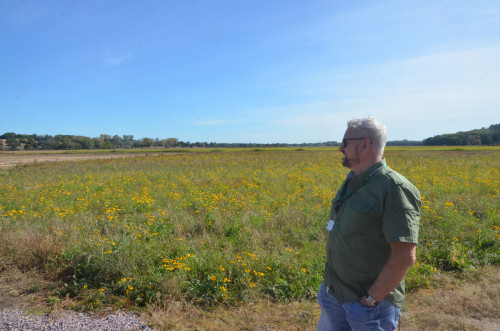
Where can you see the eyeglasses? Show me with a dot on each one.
(343, 144)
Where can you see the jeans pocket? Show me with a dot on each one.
(358, 312)
(384, 316)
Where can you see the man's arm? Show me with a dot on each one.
(403, 256)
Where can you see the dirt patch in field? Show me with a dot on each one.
(12, 159)
(21, 291)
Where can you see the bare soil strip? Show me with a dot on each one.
(12, 159)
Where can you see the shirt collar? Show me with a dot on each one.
(362, 177)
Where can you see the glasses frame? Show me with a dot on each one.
(343, 144)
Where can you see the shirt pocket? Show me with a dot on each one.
(360, 216)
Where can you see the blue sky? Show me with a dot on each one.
(248, 71)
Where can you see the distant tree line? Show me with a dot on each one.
(404, 143)
(483, 136)
(14, 141)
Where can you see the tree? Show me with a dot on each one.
(117, 141)
(106, 138)
(473, 140)
(84, 142)
(98, 143)
(489, 136)
(128, 141)
(170, 142)
(144, 142)
(147, 142)
(13, 143)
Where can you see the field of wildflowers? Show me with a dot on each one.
(227, 226)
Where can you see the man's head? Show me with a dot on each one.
(363, 143)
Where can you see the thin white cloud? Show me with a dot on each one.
(116, 60)
(469, 67)
(417, 97)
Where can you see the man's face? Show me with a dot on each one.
(350, 148)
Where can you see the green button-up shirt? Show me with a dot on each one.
(370, 211)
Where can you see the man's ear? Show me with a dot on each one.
(366, 144)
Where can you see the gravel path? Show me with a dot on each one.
(15, 320)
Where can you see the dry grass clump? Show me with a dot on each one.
(263, 315)
(470, 303)
(30, 250)
(25, 291)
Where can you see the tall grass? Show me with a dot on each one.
(227, 226)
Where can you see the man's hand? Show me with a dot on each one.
(368, 302)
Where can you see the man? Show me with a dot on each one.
(373, 233)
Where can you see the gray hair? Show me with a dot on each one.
(370, 128)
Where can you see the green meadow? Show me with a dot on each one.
(227, 226)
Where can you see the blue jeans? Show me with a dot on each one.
(355, 315)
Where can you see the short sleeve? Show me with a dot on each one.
(402, 214)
